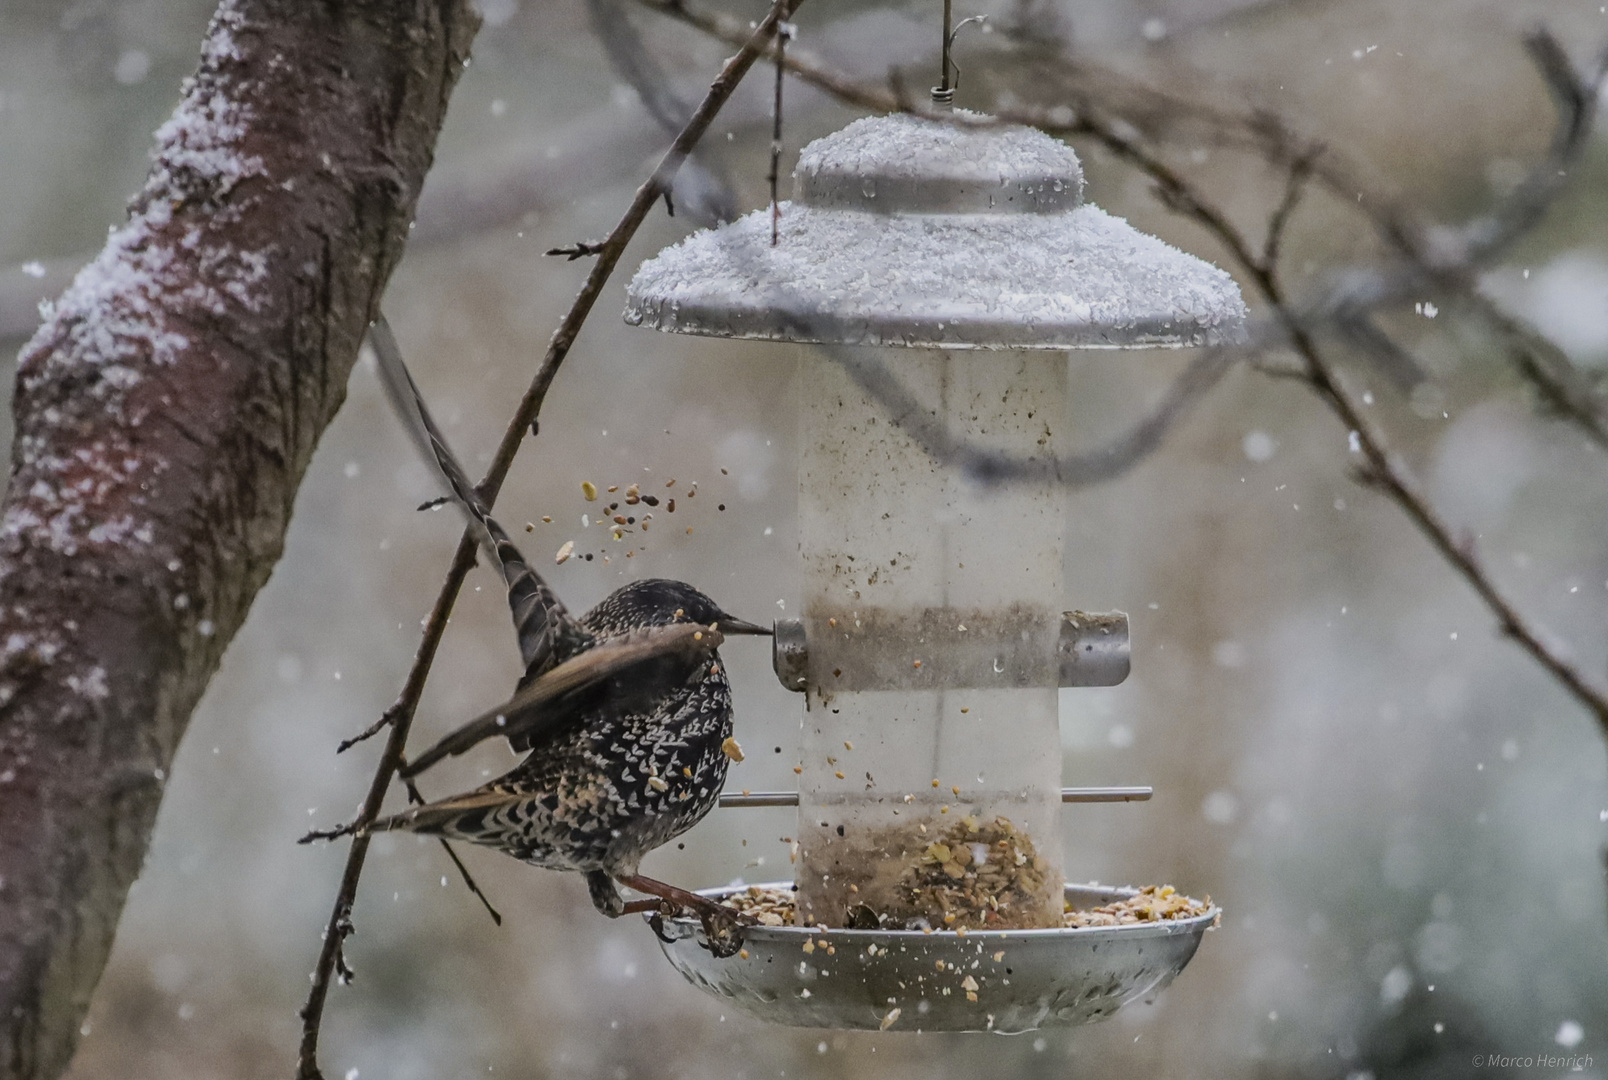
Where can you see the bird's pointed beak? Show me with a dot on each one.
(728, 625)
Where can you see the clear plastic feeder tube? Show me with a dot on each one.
(930, 784)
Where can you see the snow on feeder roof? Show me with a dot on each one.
(917, 232)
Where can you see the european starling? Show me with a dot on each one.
(625, 712)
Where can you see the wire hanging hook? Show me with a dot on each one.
(944, 92)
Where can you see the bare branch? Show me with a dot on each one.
(401, 716)
(1095, 466)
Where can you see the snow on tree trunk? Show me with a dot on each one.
(165, 414)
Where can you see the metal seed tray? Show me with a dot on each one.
(855, 979)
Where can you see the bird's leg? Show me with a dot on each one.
(605, 897)
(722, 925)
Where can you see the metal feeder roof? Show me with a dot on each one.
(916, 232)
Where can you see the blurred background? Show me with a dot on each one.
(1401, 815)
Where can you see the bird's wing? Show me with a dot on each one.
(626, 673)
(545, 627)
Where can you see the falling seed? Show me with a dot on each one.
(999, 956)
(831, 622)
(935, 783)
(742, 953)
(723, 472)
(798, 768)
(697, 635)
(968, 983)
(687, 772)
(530, 526)
(939, 964)
(689, 530)
(956, 789)
(961, 628)
(546, 520)
(839, 775)
(847, 745)
(731, 749)
(681, 613)
(889, 1020)
(618, 535)
(619, 519)
(964, 709)
(721, 507)
(670, 483)
(565, 552)
(809, 945)
(670, 507)
(651, 500)
(917, 663)
(589, 489)
(657, 784)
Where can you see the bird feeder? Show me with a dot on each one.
(958, 256)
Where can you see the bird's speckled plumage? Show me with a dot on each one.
(601, 793)
(623, 757)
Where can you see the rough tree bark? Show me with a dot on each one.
(165, 414)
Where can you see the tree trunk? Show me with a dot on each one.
(165, 414)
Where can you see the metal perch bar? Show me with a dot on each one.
(1068, 795)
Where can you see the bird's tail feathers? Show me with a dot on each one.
(445, 818)
(540, 618)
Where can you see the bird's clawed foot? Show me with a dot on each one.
(722, 926)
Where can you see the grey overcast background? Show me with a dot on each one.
(1401, 815)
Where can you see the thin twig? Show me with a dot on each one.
(1295, 181)
(782, 38)
(401, 714)
(1387, 472)
(1104, 463)
(463, 871)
